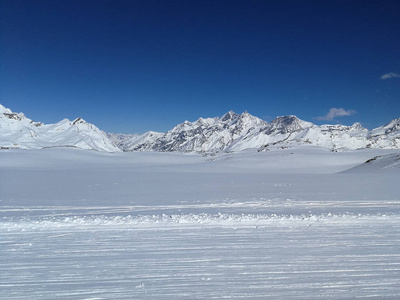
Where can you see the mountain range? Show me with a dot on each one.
(230, 133)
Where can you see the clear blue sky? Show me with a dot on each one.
(133, 66)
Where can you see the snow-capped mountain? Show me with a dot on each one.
(231, 132)
(211, 134)
(127, 142)
(236, 132)
(18, 131)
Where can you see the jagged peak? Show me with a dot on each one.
(247, 118)
(180, 126)
(286, 120)
(8, 113)
(78, 121)
(246, 114)
(394, 122)
(230, 115)
(392, 126)
(5, 110)
(357, 126)
(287, 117)
(287, 124)
(206, 121)
(14, 116)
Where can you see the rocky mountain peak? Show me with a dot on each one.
(5, 110)
(357, 126)
(287, 124)
(392, 126)
(11, 115)
(79, 121)
(229, 116)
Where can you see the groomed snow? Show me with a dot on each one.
(298, 223)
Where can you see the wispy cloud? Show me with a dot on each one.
(336, 112)
(390, 75)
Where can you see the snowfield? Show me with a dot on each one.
(296, 223)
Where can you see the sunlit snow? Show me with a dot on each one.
(298, 223)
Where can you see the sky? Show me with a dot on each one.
(133, 66)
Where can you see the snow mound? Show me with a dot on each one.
(220, 219)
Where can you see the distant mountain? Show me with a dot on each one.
(236, 132)
(17, 131)
(231, 132)
(212, 134)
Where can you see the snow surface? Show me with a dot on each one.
(298, 223)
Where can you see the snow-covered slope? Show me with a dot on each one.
(387, 136)
(389, 163)
(234, 132)
(128, 142)
(17, 131)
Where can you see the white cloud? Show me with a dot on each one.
(390, 75)
(336, 112)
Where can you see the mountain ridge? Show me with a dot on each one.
(18, 131)
(236, 132)
(231, 132)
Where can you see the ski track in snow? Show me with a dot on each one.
(331, 236)
(201, 257)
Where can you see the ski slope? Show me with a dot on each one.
(299, 223)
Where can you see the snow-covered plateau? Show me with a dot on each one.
(302, 222)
